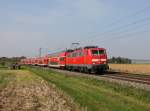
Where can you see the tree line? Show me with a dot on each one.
(120, 60)
(6, 60)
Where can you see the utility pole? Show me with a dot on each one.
(40, 52)
(46, 51)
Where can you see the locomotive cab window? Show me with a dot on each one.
(97, 52)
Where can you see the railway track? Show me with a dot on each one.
(136, 80)
(130, 77)
(144, 79)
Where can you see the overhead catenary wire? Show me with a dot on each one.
(124, 26)
(126, 35)
(128, 16)
(122, 32)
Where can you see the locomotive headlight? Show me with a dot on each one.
(103, 60)
(95, 60)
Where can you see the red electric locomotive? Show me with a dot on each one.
(88, 59)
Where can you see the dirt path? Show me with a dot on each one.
(28, 92)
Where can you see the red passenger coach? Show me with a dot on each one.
(87, 59)
(42, 61)
(57, 60)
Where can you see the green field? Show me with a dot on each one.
(90, 94)
(96, 95)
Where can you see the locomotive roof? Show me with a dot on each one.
(69, 50)
(87, 47)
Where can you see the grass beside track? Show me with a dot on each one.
(96, 95)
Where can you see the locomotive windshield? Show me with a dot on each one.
(97, 52)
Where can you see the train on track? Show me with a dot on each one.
(89, 59)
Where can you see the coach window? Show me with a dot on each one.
(69, 55)
(77, 54)
(62, 59)
(73, 54)
(80, 54)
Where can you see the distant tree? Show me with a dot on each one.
(2, 63)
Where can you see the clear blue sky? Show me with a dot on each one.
(26, 25)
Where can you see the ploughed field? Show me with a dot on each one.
(131, 68)
(39, 89)
(21, 90)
